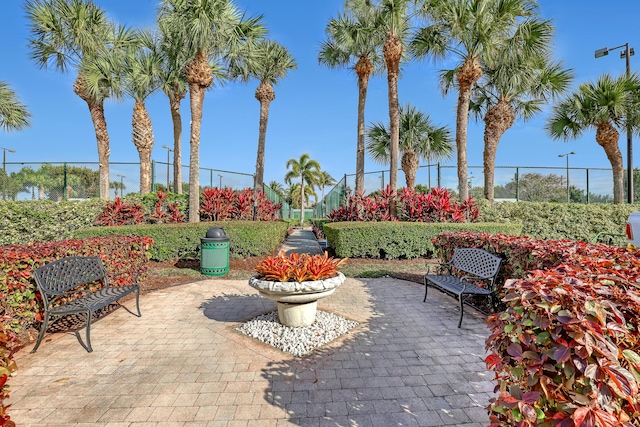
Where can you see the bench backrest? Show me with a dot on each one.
(477, 262)
(68, 273)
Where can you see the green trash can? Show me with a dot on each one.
(214, 252)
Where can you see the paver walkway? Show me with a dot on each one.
(183, 364)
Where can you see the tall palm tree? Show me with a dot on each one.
(419, 139)
(354, 40)
(13, 114)
(601, 105)
(271, 62)
(295, 193)
(394, 19)
(142, 72)
(516, 87)
(210, 30)
(307, 170)
(67, 33)
(472, 31)
(174, 85)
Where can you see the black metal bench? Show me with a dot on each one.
(58, 282)
(479, 266)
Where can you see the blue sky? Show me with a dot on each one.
(315, 107)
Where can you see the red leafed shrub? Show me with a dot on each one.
(121, 213)
(243, 205)
(267, 209)
(9, 344)
(226, 204)
(298, 267)
(216, 204)
(164, 213)
(565, 351)
(436, 206)
(122, 255)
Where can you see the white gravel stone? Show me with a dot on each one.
(297, 341)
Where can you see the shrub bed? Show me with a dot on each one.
(182, 241)
(392, 240)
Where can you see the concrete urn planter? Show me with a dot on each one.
(297, 301)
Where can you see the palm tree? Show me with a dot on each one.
(354, 41)
(208, 30)
(277, 188)
(294, 190)
(601, 105)
(324, 179)
(419, 139)
(271, 62)
(13, 114)
(174, 85)
(68, 33)
(142, 71)
(305, 169)
(394, 18)
(471, 30)
(516, 87)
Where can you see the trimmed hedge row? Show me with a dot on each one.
(38, 221)
(555, 221)
(182, 241)
(391, 240)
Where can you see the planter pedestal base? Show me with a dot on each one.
(297, 315)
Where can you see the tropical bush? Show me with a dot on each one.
(298, 267)
(436, 206)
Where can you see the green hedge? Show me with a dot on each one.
(556, 221)
(391, 240)
(27, 221)
(181, 241)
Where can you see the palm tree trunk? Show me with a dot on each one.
(410, 163)
(468, 73)
(364, 68)
(143, 140)
(264, 94)
(301, 200)
(392, 51)
(196, 99)
(96, 109)
(607, 137)
(176, 118)
(498, 119)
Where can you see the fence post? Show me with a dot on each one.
(439, 184)
(64, 181)
(517, 185)
(587, 185)
(153, 175)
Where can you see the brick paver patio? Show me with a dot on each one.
(183, 364)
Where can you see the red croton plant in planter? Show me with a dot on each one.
(298, 267)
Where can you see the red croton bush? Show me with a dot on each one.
(435, 206)
(565, 349)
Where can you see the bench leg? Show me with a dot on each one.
(43, 331)
(461, 309)
(138, 302)
(86, 346)
(426, 288)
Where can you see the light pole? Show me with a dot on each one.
(567, 156)
(626, 53)
(169, 150)
(121, 184)
(4, 170)
(220, 176)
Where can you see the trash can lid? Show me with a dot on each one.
(216, 232)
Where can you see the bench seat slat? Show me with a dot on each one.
(94, 300)
(455, 285)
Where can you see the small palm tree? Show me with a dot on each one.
(307, 170)
(270, 62)
(354, 40)
(472, 31)
(141, 72)
(602, 105)
(209, 30)
(324, 179)
(13, 114)
(419, 139)
(516, 87)
(277, 188)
